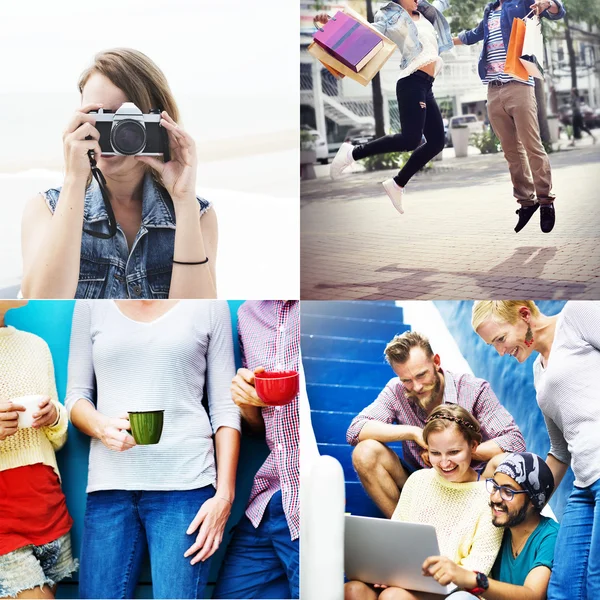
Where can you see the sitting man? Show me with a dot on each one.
(521, 486)
(401, 409)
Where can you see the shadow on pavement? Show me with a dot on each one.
(520, 273)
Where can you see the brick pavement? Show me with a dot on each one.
(456, 238)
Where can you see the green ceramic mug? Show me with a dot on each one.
(146, 426)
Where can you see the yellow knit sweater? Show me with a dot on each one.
(459, 512)
(26, 368)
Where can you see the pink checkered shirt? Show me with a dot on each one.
(269, 334)
(472, 393)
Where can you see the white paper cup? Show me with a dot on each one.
(31, 404)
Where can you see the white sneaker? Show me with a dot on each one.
(395, 193)
(343, 159)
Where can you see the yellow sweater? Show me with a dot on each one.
(26, 368)
(459, 512)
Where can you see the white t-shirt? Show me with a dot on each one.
(121, 365)
(568, 390)
(429, 53)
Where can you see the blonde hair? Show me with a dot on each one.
(451, 415)
(398, 350)
(500, 311)
(138, 77)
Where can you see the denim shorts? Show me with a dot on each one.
(35, 566)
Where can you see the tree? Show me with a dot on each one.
(578, 11)
(376, 87)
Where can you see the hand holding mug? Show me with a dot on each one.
(9, 418)
(46, 415)
(243, 391)
(113, 433)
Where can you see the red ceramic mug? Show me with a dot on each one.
(277, 388)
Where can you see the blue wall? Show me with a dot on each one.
(511, 381)
(51, 320)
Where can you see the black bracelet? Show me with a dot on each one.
(202, 262)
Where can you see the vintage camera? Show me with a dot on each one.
(128, 132)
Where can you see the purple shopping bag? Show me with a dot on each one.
(349, 41)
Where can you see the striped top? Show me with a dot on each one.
(568, 393)
(496, 52)
(472, 393)
(122, 365)
(270, 337)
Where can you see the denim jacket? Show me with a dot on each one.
(511, 9)
(395, 23)
(107, 268)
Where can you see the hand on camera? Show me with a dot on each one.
(76, 146)
(179, 174)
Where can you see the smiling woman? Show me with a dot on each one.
(450, 496)
(565, 379)
(138, 230)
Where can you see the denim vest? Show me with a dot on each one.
(395, 23)
(107, 269)
(512, 9)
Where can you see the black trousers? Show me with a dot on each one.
(419, 115)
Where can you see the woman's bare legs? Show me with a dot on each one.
(45, 592)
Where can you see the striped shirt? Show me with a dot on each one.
(568, 393)
(496, 52)
(270, 337)
(121, 365)
(473, 394)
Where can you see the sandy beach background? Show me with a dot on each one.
(230, 73)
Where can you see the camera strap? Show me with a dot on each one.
(112, 222)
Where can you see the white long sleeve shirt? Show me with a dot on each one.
(121, 365)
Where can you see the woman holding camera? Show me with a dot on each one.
(161, 241)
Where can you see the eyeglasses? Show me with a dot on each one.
(506, 493)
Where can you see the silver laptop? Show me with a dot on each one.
(391, 553)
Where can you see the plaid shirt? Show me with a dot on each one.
(473, 394)
(269, 334)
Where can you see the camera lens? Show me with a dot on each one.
(128, 137)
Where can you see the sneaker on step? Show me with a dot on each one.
(395, 193)
(343, 159)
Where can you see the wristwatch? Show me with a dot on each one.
(482, 584)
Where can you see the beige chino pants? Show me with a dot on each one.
(512, 110)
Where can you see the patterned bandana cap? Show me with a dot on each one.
(531, 473)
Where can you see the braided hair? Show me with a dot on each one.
(452, 415)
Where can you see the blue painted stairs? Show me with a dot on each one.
(342, 353)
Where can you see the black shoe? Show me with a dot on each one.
(525, 213)
(547, 218)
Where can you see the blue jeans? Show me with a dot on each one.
(576, 572)
(119, 527)
(262, 562)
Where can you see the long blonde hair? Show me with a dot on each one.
(500, 311)
(139, 78)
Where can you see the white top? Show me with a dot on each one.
(568, 390)
(429, 53)
(164, 364)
